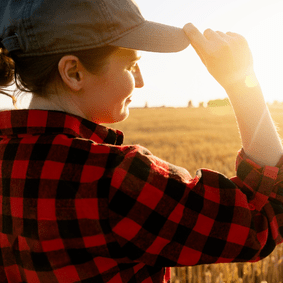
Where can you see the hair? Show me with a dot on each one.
(7, 71)
(34, 74)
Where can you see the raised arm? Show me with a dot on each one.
(229, 60)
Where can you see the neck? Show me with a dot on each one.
(55, 102)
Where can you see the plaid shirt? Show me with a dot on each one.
(77, 206)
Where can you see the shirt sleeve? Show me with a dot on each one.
(162, 216)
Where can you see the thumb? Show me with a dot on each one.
(197, 39)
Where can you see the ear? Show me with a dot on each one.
(71, 72)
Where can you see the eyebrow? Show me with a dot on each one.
(135, 59)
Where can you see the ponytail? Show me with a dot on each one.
(7, 72)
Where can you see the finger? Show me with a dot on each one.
(202, 58)
(210, 34)
(238, 38)
(222, 34)
(197, 39)
(232, 34)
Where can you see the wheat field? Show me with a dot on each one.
(202, 138)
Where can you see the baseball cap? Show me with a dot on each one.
(42, 27)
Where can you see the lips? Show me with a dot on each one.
(129, 99)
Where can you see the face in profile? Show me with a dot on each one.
(109, 94)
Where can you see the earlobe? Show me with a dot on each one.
(70, 71)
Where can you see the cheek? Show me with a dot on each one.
(124, 85)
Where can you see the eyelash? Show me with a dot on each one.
(133, 68)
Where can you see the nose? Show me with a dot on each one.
(139, 83)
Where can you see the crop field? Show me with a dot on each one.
(202, 138)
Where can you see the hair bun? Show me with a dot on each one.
(7, 68)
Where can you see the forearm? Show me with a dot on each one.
(189, 221)
(228, 59)
(260, 139)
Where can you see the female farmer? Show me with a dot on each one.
(76, 204)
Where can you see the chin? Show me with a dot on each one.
(121, 118)
(112, 120)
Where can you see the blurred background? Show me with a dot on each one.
(174, 79)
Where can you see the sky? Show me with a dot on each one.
(176, 78)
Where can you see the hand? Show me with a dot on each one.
(226, 56)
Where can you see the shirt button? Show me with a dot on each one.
(251, 206)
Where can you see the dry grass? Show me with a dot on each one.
(201, 138)
(192, 138)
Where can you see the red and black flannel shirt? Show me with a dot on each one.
(77, 206)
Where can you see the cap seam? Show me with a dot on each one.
(107, 15)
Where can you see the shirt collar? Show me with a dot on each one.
(36, 122)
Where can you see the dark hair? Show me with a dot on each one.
(7, 71)
(34, 74)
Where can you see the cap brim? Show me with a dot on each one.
(154, 37)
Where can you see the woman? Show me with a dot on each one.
(76, 204)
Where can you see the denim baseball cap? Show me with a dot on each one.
(42, 27)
